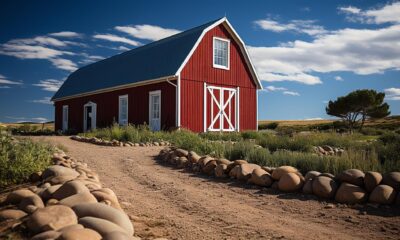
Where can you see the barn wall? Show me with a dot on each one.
(199, 69)
(107, 107)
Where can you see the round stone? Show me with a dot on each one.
(382, 194)
(353, 176)
(371, 180)
(278, 172)
(324, 187)
(51, 218)
(290, 182)
(350, 194)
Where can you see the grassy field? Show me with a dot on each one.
(49, 125)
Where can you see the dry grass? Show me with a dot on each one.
(38, 125)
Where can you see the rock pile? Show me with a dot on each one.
(352, 186)
(68, 202)
(328, 150)
(116, 143)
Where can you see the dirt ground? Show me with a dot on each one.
(175, 204)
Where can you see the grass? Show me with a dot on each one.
(19, 159)
(365, 152)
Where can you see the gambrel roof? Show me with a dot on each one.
(160, 59)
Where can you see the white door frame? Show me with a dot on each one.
(221, 105)
(120, 120)
(94, 115)
(65, 118)
(153, 93)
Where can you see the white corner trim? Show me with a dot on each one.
(229, 53)
(205, 108)
(178, 102)
(242, 46)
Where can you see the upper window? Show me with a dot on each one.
(221, 53)
(123, 110)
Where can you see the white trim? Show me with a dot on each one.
(110, 89)
(205, 108)
(229, 53)
(256, 110)
(242, 47)
(123, 121)
(65, 122)
(93, 117)
(178, 102)
(238, 109)
(157, 92)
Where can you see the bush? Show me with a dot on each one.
(271, 126)
(20, 159)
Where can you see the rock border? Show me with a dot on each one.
(350, 187)
(67, 201)
(116, 143)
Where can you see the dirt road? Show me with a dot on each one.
(175, 204)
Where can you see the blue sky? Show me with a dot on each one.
(306, 53)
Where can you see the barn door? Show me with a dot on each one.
(221, 108)
(155, 110)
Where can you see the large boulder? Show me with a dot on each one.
(48, 191)
(52, 217)
(80, 234)
(223, 161)
(209, 167)
(181, 153)
(83, 197)
(194, 157)
(33, 200)
(307, 187)
(106, 194)
(204, 160)
(221, 170)
(353, 176)
(279, 171)
(47, 235)
(290, 182)
(69, 189)
(245, 171)
(11, 214)
(383, 194)
(99, 210)
(261, 177)
(15, 197)
(392, 179)
(60, 179)
(56, 170)
(234, 171)
(101, 226)
(311, 175)
(235, 163)
(350, 194)
(371, 180)
(182, 162)
(324, 187)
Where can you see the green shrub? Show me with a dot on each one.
(272, 126)
(20, 159)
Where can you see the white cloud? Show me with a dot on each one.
(51, 85)
(338, 78)
(4, 80)
(291, 93)
(389, 13)
(45, 100)
(66, 34)
(361, 51)
(115, 38)
(300, 26)
(4, 87)
(64, 64)
(26, 119)
(313, 119)
(392, 94)
(146, 31)
(90, 59)
(274, 89)
(123, 48)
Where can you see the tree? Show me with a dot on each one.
(358, 106)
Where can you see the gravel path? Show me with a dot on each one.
(170, 203)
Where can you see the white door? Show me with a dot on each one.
(65, 118)
(155, 110)
(123, 110)
(89, 116)
(221, 109)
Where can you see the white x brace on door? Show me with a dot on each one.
(221, 111)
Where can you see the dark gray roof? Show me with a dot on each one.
(154, 60)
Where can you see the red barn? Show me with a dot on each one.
(201, 79)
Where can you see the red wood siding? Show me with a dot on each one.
(199, 69)
(107, 107)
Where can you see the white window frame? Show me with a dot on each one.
(65, 123)
(120, 120)
(229, 53)
(157, 92)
